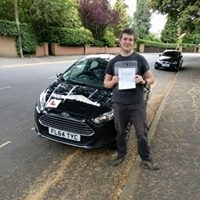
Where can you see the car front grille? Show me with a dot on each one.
(66, 124)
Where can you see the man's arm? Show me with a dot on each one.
(110, 81)
(148, 76)
(146, 79)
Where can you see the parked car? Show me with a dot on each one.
(170, 59)
(76, 109)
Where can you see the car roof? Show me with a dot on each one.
(170, 50)
(105, 56)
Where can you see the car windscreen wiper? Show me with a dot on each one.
(72, 81)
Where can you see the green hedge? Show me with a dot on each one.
(29, 41)
(8, 28)
(156, 44)
(76, 37)
(68, 36)
(184, 45)
(164, 45)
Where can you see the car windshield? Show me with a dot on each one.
(87, 71)
(170, 53)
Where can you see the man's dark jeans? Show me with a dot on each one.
(136, 114)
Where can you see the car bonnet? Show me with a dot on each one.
(80, 100)
(167, 58)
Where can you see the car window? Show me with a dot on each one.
(90, 71)
(94, 64)
(170, 53)
(76, 69)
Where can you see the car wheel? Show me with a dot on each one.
(181, 65)
(156, 66)
(177, 69)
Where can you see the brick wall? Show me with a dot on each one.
(63, 50)
(8, 46)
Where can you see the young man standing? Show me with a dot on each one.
(127, 74)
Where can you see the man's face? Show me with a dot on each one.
(127, 42)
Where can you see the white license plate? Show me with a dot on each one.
(165, 64)
(64, 134)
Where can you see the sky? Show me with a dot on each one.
(157, 20)
(157, 23)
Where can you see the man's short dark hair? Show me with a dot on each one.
(128, 31)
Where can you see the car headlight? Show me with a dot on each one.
(42, 100)
(175, 63)
(104, 118)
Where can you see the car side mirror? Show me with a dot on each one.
(59, 74)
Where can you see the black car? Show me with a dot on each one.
(76, 109)
(170, 59)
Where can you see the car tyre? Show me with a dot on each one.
(156, 66)
(177, 68)
(181, 65)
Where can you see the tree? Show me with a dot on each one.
(97, 16)
(124, 17)
(43, 14)
(193, 38)
(18, 27)
(7, 10)
(185, 12)
(142, 18)
(170, 32)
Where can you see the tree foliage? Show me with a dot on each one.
(7, 10)
(142, 19)
(192, 38)
(69, 36)
(43, 14)
(170, 32)
(124, 17)
(97, 16)
(185, 12)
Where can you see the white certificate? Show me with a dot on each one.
(126, 78)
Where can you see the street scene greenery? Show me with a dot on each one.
(97, 23)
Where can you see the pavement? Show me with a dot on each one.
(174, 139)
(17, 61)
